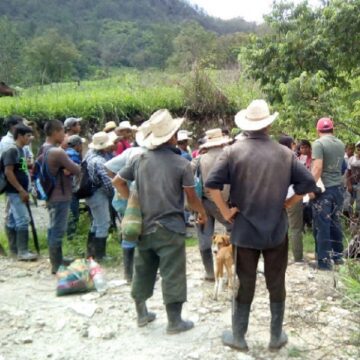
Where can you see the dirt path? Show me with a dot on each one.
(35, 324)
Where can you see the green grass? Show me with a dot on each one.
(129, 94)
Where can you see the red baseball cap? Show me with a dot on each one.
(324, 124)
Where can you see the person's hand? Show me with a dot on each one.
(24, 196)
(230, 214)
(66, 172)
(350, 189)
(202, 219)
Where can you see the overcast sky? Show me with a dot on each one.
(250, 10)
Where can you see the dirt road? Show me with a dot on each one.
(36, 325)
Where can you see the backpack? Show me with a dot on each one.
(86, 187)
(44, 181)
(198, 181)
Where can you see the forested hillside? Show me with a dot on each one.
(65, 39)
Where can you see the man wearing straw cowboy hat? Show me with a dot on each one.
(162, 177)
(214, 143)
(259, 172)
(99, 201)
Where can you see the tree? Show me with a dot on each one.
(193, 45)
(10, 52)
(52, 57)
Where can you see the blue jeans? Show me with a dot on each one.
(18, 216)
(58, 218)
(100, 212)
(326, 211)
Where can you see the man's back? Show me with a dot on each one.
(259, 172)
(331, 150)
(160, 177)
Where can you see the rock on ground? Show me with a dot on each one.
(35, 324)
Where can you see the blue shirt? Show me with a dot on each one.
(186, 155)
(74, 155)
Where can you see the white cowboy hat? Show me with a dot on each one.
(111, 125)
(183, 135)
(255, 117)
(125, 125)
(163, 127)
(113, 136)
(214, 137)
(100, 141)
(142, 133)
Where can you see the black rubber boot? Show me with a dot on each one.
(11, 235)
(175, 323)
(90, 247)
(278, 336)
(22, 240)
(143, 316)
(207, 259)
(240, 321)
(128, 264)
(100, 248)
(56, 259)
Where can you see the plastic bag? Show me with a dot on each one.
(131, 225)
(74, 279)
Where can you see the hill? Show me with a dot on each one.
(56, 40)
(77, 17)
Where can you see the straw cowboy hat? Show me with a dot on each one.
(101, 141)
(255, 117)
(109, 126)
(183, 135)
(125, 125)
(163, 127)
(214, 137)
(142, 133)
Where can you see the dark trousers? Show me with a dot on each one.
(275, 267)
(162, 249)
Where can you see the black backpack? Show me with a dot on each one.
(86, 187)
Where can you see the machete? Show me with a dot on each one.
(33, 229)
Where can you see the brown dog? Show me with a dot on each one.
(224, 258)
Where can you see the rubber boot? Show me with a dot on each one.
(100, 248)
(22, 239)
(55, 253)
(240, 321)
(207, 259)
(278, 336)
(128, 264)
(11, 235)
(175, 323)
(143, 316)
(90, 247)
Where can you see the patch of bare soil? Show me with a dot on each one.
(35, 324)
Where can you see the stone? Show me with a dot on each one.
(94, 332)
(84, 309)
(193, 356)
(27, 340)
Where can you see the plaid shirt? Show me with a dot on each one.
(97, 172)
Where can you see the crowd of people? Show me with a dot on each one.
(261, 190)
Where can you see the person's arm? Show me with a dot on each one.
(217, 178)
(227, 212)
(66, 162)
(121, 186)
(317, 168)
(303, 182)
(105, 179)
(195, 204)
(11, 178)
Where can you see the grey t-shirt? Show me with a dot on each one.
(331, 150)
(160, 176)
